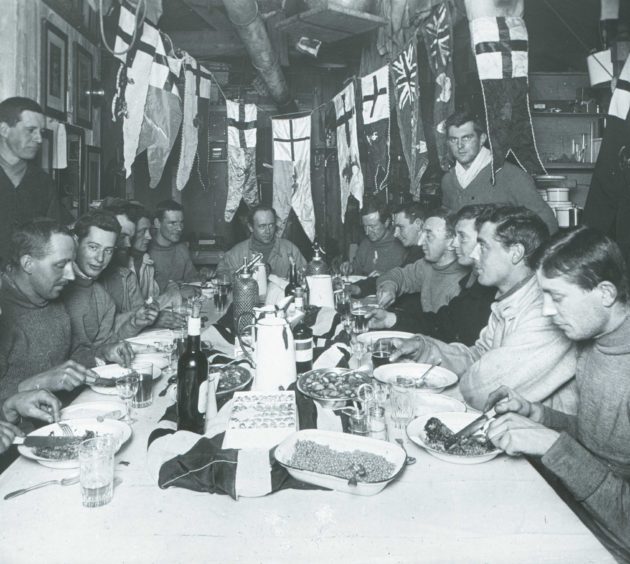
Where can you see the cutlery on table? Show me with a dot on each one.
(471, 428)
(409, 460)
(422, 380)
(64, 482)
(116, 414)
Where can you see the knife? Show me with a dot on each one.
(102, 382)
(471, 428)
(33, 441)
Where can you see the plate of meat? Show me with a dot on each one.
(433, 431)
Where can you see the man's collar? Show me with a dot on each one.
(80, 273)
(515, 288)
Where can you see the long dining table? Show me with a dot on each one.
(435, 511)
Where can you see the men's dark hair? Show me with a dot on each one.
(447, 216)
(11, 109)
(372, 205)
(260, 208)
(166, 205)
(586, 258)
(473, 211)
(142, 212)
(33, 238)
(464, 115)
(516, 225)
(412, 211)
(102, 219)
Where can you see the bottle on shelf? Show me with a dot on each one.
(289, 290)
(192, 371)
(302, 337)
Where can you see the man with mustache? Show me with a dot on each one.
(26, 191)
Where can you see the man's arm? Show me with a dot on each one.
(524, 193)
(190, 273)
(406, 279)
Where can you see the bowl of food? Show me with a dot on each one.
(339, 461)
(332, 387)
(67, 456)
(233, 378)
(433, 431)
(435, 380)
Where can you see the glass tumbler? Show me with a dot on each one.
(96, 468)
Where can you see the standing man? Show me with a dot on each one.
(585, 290)
(26, 191)
(276, 251)
(170, 254)
(469, 181)
(379, 251)
(436, 276)
(519, 346)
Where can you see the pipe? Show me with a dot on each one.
(251, 29)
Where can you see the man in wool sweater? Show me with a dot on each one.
(436, 276)
(35, 336)
(585, 290)
(469, 181)
(92, 310)
(519, 346)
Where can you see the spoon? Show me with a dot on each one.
(422, 380)
(358, 471)
(64, 482)
(409, 460)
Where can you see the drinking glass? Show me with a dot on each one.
(144, 395)
(222, 289)
(401, 403)
(357, 421)
(359, 317)
(96, 470)
(342, 301)
(127, 386)
(381, 351)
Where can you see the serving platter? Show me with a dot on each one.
(332, 386)
(341, 442)
(435, 381)
(455, 421)
(121, 431)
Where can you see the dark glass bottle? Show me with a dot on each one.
(192, 371)
(303, 338)
(293, 281)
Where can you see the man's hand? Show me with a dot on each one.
(506, 400)
(146, 315)
(416, 349)
(381, 319)
(170, 319)
(37, 404)
(119, 352)
(66, 376)
(8, 432)
(515, 434)
(385, 296)
(345, 268)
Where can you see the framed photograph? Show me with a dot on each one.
(93, 173)
(72, 179)
(54, 71)
(82, 86)
(46, 151)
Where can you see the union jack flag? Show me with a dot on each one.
(439, 37)
(405, 76)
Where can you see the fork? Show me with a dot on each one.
(64, 482)
(66, 430)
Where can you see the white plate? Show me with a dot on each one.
(455, 421)
(113, 371)
(340, 442)
(158, 360)
(354, 278)
(425, 403)
(120, 430)
(438, 379)
(372, 336)
(91, 409)
(152, 341)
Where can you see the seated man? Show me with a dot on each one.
(584, 283)
(519, 347)
(463, 318)
(170, 255)
(470, 180)
(379, 251)
(436, 276)
(35, 404)
(275, 250)
(35, 335)
(92, 311)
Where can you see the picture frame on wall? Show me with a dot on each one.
(46, 151)
(54, 71)
(93, 173)
(82, 86)
(72, 179)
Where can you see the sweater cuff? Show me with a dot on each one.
(580, 471)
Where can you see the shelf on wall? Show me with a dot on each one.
(566, 114)
(586, 167)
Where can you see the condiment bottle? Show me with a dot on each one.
(245, 298)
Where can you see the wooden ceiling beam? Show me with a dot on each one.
(210, 13)
(208, 44)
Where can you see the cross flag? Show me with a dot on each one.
(137, 60)
(500, 47)
(241, 156)
(292, 172)
(620, 101)
(350, 174)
